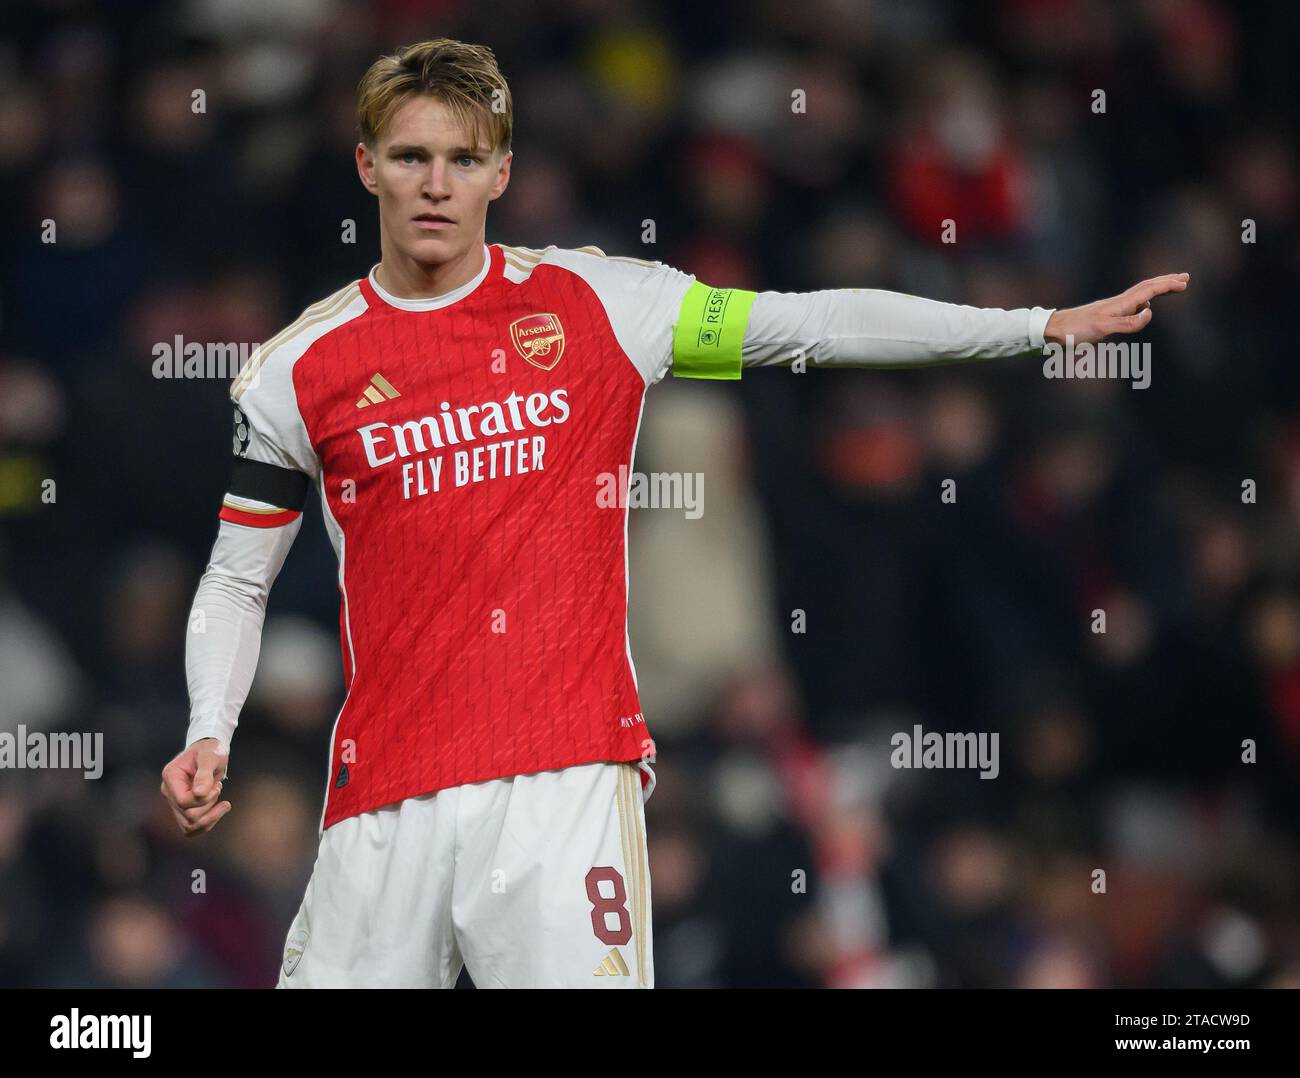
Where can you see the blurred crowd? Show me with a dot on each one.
(828, 597)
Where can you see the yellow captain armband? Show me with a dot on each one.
(709, 331)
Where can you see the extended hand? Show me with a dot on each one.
(1128, 312)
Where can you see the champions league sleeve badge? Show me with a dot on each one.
(243, 435)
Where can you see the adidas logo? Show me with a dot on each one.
(613, 966)
(378, 391)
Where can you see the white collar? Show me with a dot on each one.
(432, 303)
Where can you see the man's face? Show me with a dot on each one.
(433, 183)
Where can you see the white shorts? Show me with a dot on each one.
(533, 881)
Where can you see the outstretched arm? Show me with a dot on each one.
(868, 327)
(720, 331)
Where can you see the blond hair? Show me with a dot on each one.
(463, 77)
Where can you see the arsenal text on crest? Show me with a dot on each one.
(539, 338)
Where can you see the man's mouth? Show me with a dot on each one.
(433, 221)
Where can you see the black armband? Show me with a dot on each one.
(269, 483)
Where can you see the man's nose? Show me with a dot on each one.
(435, 183)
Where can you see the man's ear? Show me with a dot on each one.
(366, 168)
(503, 176)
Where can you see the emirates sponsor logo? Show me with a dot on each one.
(386, 442)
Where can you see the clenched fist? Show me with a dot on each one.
(191, 783)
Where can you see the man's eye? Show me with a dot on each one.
(407, 156)
(467, 160)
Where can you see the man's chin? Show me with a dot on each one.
(435, 248)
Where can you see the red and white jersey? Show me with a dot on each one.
(459, 445)
(464, 448)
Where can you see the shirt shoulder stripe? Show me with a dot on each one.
(313, 316)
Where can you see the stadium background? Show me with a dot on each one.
(1120, 751)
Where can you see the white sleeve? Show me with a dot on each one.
(268, 424)
(866, 327)
(261, 515)
(225, 627)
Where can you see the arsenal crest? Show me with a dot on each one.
(539, 338)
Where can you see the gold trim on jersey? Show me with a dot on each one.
(620, 799)
(642, 865)
(612, 966)
(228, 504)
(526, 259)
(634, 854)
(633, 261)
(518, 256)
(379, 390)
(315, 314)
(534, 254)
